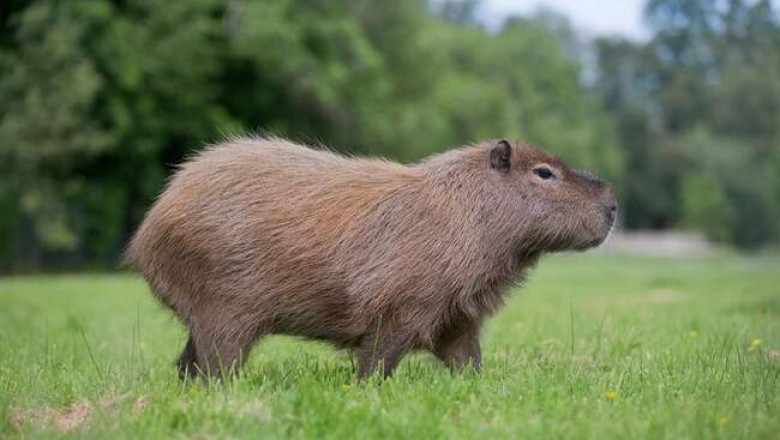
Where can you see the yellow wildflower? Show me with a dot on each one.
(345, 387)
(723, 420)
(754, 344)
(610, 395)
(694, 334)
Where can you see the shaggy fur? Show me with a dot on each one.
(262, 236)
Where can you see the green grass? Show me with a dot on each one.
(670, 338)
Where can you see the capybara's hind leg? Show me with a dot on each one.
(186, 363)
(382, 347)
(220, 353)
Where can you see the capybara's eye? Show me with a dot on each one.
(544, 173)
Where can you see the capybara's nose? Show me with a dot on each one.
(610, 211)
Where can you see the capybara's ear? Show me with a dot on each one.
(501, 156)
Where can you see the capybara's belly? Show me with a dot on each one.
(327, 315)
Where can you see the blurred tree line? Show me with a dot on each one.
(697, 113)
(99, 99)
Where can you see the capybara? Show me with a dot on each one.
(259, 236)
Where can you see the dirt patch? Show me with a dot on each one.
(63, 420)
(666, 296)
(139, 406)
(253, 409)
(68, 419)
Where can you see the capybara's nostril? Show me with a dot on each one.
(610, 212)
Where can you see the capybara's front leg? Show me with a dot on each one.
(461, 350)
(383, 346)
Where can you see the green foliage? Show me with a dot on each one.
(702, 97)
(100, 100)
(9, 221)
(741, 197)
(46, 128)
(706, 207)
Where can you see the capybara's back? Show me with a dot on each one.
(263, 236)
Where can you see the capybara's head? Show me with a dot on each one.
(552, 207)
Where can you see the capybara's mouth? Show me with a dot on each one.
(610, 217)
(592, 243)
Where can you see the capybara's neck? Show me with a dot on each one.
(488, 255)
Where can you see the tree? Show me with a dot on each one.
(45, 127)
(700, 99)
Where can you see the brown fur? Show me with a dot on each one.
(262, 236)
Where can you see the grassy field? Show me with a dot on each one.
(593, 347)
